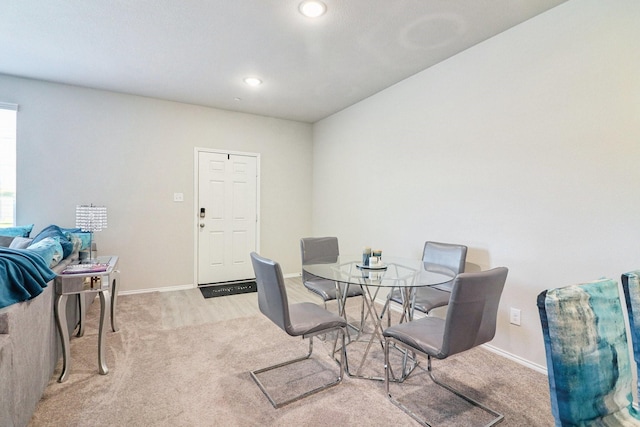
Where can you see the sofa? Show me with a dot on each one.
(29, 340)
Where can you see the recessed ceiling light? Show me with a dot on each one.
(252, 81)
(312, 8)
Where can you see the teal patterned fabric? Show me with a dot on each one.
(49, 249)
(76, 233)
(631, 287)
(588, 363)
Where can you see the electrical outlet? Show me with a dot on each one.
(178, 197)
(514, 317)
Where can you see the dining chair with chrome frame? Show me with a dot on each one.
(323, 250)
(470, 321)
(447, 258)
(304, 320)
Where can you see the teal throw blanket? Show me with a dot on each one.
(23, 275)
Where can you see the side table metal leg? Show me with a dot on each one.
(61, 322)
(115, 284)
(82, 308)
(105, 302)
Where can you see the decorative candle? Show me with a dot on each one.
(366, 253)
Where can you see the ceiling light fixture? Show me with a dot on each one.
(253, 81)
(312, 8)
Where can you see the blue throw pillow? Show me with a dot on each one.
(57, 234)
(20, 243)
(17, 231)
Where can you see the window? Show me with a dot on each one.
(7, 164)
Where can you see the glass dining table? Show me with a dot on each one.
(393, 274)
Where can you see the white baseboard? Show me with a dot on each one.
(517, 359)
(163, 289)
(292, 275)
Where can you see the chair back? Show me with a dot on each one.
(272, 294)
(587, 354)
(445, 257)
(318, 250)
(473, 310)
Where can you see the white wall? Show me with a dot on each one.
(78, 146)
(525, 148)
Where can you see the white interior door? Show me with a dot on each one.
(227, 216)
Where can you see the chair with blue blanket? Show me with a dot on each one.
(589, 369)
(631, 288)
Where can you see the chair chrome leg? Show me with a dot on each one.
(387, 344)
(498, 416)
(254, 374)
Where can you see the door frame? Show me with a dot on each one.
(196, 200)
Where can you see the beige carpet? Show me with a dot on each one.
(198, 375)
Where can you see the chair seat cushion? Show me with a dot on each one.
(308, 318)
(326, 289)
(446, 286)
(422, 334)
(427, 298)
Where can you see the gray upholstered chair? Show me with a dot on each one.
(303, 319)
(447, 258)
(470, 322)
(319, 250)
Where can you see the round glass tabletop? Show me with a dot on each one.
(394, 272)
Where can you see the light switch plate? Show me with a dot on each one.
(515, 317)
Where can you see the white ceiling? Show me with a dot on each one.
(198, 51)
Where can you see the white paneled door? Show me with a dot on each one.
(227, 216)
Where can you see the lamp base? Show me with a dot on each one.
(86, 257)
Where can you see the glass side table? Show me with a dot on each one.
(103, 279)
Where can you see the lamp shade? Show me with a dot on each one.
(91, 218)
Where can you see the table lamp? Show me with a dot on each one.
(90, 218)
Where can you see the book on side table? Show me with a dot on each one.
(85, 268)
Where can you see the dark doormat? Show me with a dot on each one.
(221, 290)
